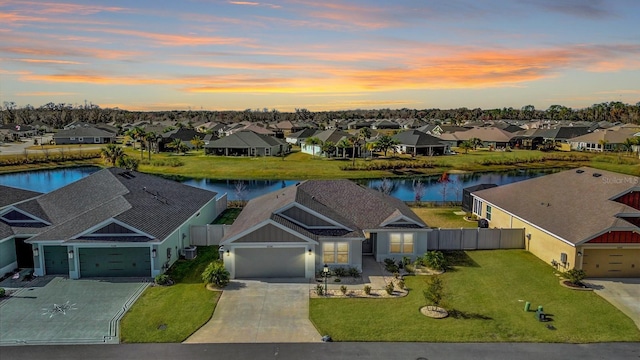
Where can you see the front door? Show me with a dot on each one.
(367, 244)
(24, 254)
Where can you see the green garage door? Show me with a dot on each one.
(115, 262)
(269, 262)
(56, 260)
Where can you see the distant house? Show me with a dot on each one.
(113, 223)
(415, 142)
(83, 135)
(333, 136)
(299, 137)
(602, 140)
(582, 218)
(490, 136)
(293, 232)
(247, 143)
(385, 124)
(184, 134)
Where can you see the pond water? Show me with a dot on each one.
(433, 188)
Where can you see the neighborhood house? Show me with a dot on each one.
(582, 218)
(113, 223)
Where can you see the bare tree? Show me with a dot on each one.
(241, 191)
(386, 186)
(418, 191)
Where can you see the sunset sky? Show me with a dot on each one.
(320, 55)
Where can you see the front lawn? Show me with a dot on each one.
(173, 313)
(486, 294)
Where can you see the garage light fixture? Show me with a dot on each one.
(36, 252)
(70, 254)
(579, 253)
(154, 253)
(309, 251)
(228, 252)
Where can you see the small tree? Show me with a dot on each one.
(197, 142)
(216, 274)
(434, 293)
(418, 191)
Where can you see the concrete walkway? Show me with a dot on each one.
(623, 293)
(67, 311)
(260, 311)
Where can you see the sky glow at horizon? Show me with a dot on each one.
(320, 55)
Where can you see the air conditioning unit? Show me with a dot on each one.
(190, 253)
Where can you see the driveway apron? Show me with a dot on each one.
(257, 311)
(623, 293)
(67, 311)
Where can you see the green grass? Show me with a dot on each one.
(443, 217)
(486, 293)
(172, 313)
(228, 216)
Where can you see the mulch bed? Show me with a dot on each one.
(569, 285)
(434, 312)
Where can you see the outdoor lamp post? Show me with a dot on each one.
(325, 271)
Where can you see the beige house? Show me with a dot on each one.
(582, 218)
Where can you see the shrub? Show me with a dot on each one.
(343, 290)
(337, 280)
(575, 276)
(434, 293)
(390, 265)
(354, 272)
(163, 279)
(435, 260)
(406, 261)
(319, 290)
(410, 268)
(2, 292)
(389, 288)
(367, 289)
(401, 284)
(216, 274)
(340, 271)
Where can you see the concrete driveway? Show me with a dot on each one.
(67, 311)
(623, 293)
(254, 311)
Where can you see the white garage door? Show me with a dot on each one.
(611, 263)
(269, 262)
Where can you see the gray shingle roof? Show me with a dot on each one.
(356, 207)
(417, 138)
(10, 195)
(244, 139)
(149, 203)
(83, 132)
(572, 205)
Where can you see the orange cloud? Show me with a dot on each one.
(173, 39)
(45, 93)
(252, 3)
(49, 61)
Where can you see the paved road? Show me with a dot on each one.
(329, 351)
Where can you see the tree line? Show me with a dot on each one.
(59, 114)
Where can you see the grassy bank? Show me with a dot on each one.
(485, 295)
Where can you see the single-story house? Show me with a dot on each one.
(324, 136)
(582, 218)
(415, 142)
(113, 223)
(247, 143)
(299, 137)
(183, 134)
(602, 140)
(83, 135)
(294, 231)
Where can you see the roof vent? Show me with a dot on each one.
(579, 171)
(597, 174)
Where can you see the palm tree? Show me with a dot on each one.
(603, 143)
(385, 142)
(365, 133)
(313, 141)
(628, 144)
(343, 144)
(328, 147)
(150, 137)
(353, 140)
(135, 135)
(177, 144)
(197, 142)
(112, 153)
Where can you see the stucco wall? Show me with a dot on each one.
(8, 259)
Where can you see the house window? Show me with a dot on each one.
(96, 140)
(335, 252)
(488, 212)
(72, 138)
(477, 207)
(267, 151)
(401, 243)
